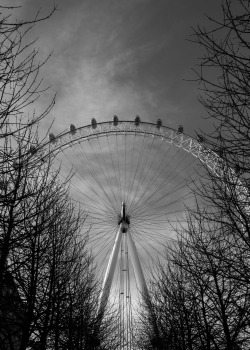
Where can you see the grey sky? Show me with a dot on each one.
(123, 57)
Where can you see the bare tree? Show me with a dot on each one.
(20, 84)
(48, 292)
(202, 290)
(223, 77)
(43, 250)
(19, 88)
(199, 295)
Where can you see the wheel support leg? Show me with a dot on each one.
(107, 282)
(139, 276)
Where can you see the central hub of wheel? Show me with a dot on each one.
(124, 219)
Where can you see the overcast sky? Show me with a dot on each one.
(123, 57)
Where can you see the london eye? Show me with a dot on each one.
(134, 180)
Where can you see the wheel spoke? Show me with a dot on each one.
(152, 170)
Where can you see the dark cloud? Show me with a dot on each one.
(121, 57)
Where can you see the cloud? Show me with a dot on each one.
(102, 62)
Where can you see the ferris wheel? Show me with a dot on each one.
(134, 180)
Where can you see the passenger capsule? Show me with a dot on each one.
(52, 138)
(180, 129)
(137, 120)
(115, 120)
(93, 123)
(159, 123)
(72, 129)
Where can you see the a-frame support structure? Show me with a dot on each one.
(123, 232)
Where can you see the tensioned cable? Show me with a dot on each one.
(101, 245)
(95, 176)
(144, 159)
(139, 237)
(130, 168)
(160, 206)
(161, 156)
(121, 167)
(149, 204)
(150, 250)
(176, 188)
(112, 160)
(159, 232)
(119, 174)
(107, 242)
(142, 155)
(143, 242)
(80, 178)
(165, 196)
(163, 183)
(153, 216)
(108, 174)
(100, 232)
(73, 185)
(143, 263)
(158, 219)
(84, 161)
(157, 159)
(137, 168)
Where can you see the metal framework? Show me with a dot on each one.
(122, 233)
(176, 137)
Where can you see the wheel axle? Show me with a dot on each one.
(123, 218)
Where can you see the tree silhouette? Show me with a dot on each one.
(201, 292)
(48, 288)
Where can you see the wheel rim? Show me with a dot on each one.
(150, 168)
